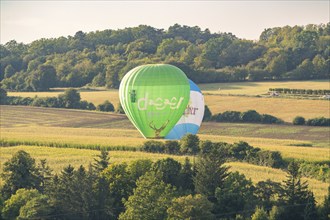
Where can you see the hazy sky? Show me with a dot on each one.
(26, 21)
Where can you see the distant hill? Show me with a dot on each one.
(102, 58)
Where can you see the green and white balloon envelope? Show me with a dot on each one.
(154, 97)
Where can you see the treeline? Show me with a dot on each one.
(102, 58)
(241, 151)
(142, 189)
(301, 91)
(69, 99)
(320, 121)
(250, 116)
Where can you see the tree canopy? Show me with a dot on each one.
(102, 58)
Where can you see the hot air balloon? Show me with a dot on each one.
(192, 117)
(154, 97)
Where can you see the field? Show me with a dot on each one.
(45, 126)
(259, 173)
(35, 129)
(218, 101)
(285, 109)
(260, 88)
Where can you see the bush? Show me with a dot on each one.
(321, 121)
(120, 109)
(229, 116)
(250, 116)
(270, 159)
(269, 119)
(172, 147)
(207, 114)
(298, 120)
(153, 147)
(189, 144)
(106, 106)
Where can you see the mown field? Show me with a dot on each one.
(45, 126)
(218, 101)
(58, 158)
(260, 88)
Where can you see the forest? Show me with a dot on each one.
(102, 58)
(199, 188)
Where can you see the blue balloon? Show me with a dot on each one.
(192, 118)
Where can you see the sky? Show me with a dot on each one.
(26, 21)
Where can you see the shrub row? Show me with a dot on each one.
(250, 116)
(52, 102)
(301, 91)
(317, 171)
(11, 143)
(320, 121)
(241, 151)
(70, 99)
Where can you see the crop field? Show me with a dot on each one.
(84, 129)
(285, 109)
(35, 129)
(260, 173)
(260, 88)
(218, 101)
(57, 159)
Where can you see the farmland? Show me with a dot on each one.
(34, 129)
(84, 128)
(219, 101)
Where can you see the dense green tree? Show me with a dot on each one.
(120, 109)
(210, 172)
(298, 120)
(186, 176)
(169, 171)
(259, 214)
(43, 78)
(19, 172)
(267, 193)
(207, 114)
(190, 207)
(106, 106)
(102, 160)
(138, 168)
(70, 98)
(120, 185)
(250, 116)
(37, 207)
(295, 195)
(3, 96)
(9, 71)
(235, 194)
(189, 144)
(44, 175)
(150, 200)
(102, 58)
(324, 210)
(12, 206)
